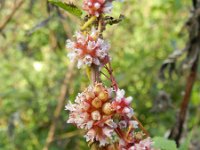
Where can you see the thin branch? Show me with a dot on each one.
(177, 129)
(141, 126)
(10, 16)
(61, 101)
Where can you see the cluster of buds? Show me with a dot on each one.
(97, 7)
(104, 114)
(145, 144)
(93, 112)
(88, 49)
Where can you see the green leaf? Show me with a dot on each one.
(164, 144)
(71, 8)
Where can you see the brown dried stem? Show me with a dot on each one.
(61, 101)
(10, 16)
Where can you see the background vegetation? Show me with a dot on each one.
(33, 65)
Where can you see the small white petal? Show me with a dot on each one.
(96, 61)
(128, 100)
(90, 135)
(126, 110)
(71, 56)
(87, 60)
(69, 44)
(103, 142)
(133, 123)
(130, 114)
(89, 124)
(101, 54)
(108, 7)
(107, 131)
(70, 107)
(111, 123)
(120, 94)
(96, 115)
(94, 32)
(79, 64)
(97, 5)
(89, 4)
(91, 45)
(118, 107)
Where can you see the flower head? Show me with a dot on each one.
(122, 104)
(88, 49)
(145, 144)
(97, 7)
(88, 113)
(104, 114)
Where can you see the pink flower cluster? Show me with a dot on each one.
(145, 144)
(97, 7)
(92, 111)
(104, 113)
(88, 49)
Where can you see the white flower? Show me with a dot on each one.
(120, 94)
(90, 136)
(87, 60)
(101, 54)
(71, 56)
(89, 124)
(111, 123)
(79, 64)
(108, 131)
(97, 5)
(69, 44)
(96, 115)
(91, 45)
(128, 100)
(107, 7)
(126, 110)
(96, 61)
(104, 46)
(103, 142)
(70, 107)
(130, 113)
(88, 49)
(144, 144)
(133, 123)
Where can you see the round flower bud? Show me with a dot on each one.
(96, 115)
(139, 135)
(103, 96)
(90, 95)
(97, 103)
(107, 108)
(97, 89)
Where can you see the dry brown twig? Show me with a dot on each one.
(10, 16)
(61, 102)
(194, 51)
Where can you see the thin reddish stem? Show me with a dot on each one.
(141, 126)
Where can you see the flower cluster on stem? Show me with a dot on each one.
(105, 113)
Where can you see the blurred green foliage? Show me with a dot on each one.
(34, 63)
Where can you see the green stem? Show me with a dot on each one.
(89, 22)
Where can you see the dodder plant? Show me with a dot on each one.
(105, 113)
